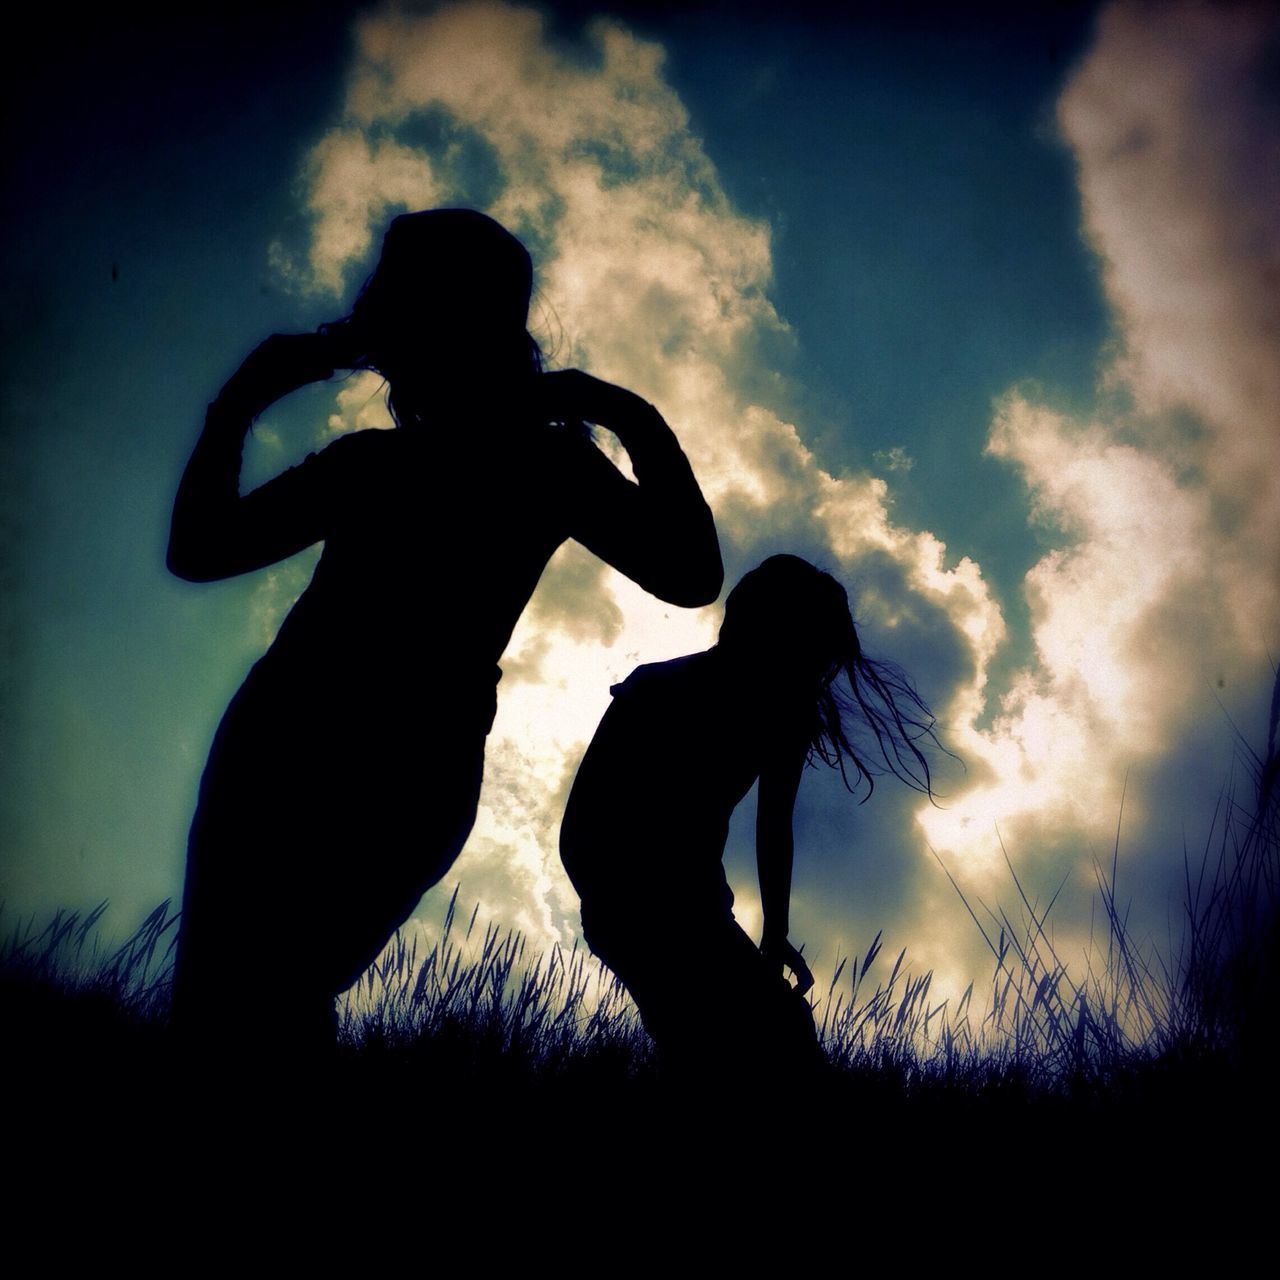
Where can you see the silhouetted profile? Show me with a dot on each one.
(344, 776)
(644, 830)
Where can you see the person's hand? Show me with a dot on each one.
(569, 395)
(345, 344)
(779, 952)
(283, 363)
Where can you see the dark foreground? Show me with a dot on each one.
(81, 1067)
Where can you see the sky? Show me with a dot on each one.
(977, 311)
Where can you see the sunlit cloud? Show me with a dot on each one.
(1159, 507)
(655, 281)
(360, 405)
(354, 182)
(1162, 588)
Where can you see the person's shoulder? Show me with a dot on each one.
(651, 676)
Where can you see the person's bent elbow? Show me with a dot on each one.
(707, 589)
(188, 560)
(700, 583)
(188, 568)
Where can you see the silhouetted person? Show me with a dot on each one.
(345, 774)
(644, 830)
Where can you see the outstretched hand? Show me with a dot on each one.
(781, 953)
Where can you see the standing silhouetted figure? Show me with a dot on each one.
(645, 827)
(345, 774)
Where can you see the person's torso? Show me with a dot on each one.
(433, 547)
(678, 749)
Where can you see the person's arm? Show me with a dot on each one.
(775, 849)
(217, 533)
(659, 530)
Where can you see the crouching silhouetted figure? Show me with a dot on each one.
(646, 822)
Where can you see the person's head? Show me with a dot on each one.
(788, 627)
(446, 308)
(790, 621)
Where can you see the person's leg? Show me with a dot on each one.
(761, 1024)
(398, 839)
(629, 937)
(246, 986)
(324, 815)
(711, 1003)
(241, 880)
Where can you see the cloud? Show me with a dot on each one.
(1160, 506)
(1173, 125)
(360, 405)
(1162, 585)
(654, 281)
(895, 459)
(354, 181)
(1176, 129)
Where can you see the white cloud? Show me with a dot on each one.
(360, 405)
(1166, 577)
(659, 284)
(354, 181)
(1165, 519)
(1177, 138)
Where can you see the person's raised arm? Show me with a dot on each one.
(775, 850)
(215, 532)
(658, 531)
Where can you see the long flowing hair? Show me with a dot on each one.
(788, 611)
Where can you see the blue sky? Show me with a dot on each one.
(972, 311)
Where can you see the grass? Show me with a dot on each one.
(476, 1015)
(479, 1006)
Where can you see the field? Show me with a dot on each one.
(1169, 1050)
